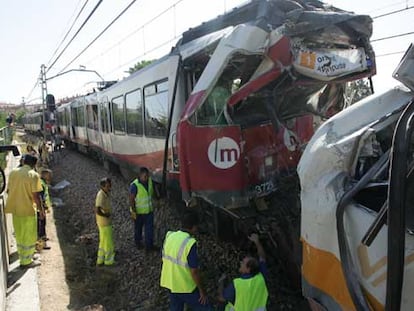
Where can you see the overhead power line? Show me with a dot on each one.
(74, 36)
(135, 31)
(388, 54)
(395, 36)
(393, 12)
(67, 33)
(100, 34)
(141, 55)
(387, 6)
(31, 92)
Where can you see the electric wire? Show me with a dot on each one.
(141, 55)
(388, 54)
(393, 12)
(172, 6)
(67, 33)
(134, 32)
(100, 34)
(31, 92)
(388, 6)
(74, 36)
(394, 36)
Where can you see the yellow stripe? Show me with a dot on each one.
(323, 270)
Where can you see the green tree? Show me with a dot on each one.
(140, 65)
(19, 116)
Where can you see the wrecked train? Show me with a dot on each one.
(229, 110)
(357, 182)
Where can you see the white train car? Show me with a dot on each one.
(135, 115)
(64, 121)
(33, 122)
(78, 123)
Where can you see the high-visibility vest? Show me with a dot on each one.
(175, 272)
(46, 195)
(143, 199)
(251, 294)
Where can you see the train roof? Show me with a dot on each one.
(264, 13)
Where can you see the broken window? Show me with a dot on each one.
(238, 71)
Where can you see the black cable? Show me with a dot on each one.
(397, 192)
(31, 92)
(100, 34)
(136, 30)
(67, 33)
(393, 12)
(74, 36)
(395, 36)
(141, 55)
(388, 54)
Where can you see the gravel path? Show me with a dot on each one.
(133, 284)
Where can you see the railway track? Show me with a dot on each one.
(134, 283)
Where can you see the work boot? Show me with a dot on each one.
(33, 264)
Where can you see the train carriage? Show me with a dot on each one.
(228, 111)
(33, 122)
(135, 116)
(64, 121)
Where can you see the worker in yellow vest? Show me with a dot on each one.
(180, 269)
(249, 291)
(45, 179)
(141, 193)
(103, 212)
(23, 190)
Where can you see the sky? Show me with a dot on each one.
(31, 31)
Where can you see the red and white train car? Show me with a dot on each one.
(230, 109)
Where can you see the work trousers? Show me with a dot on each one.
(25, 230)
(106, 251)
(177, 302)
(41, 227)
(146, 221)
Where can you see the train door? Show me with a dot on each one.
(106, 125)
(74, 122)
(185, 81)
(92, 121)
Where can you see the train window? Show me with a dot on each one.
(118, 115)
(80, 116)
(73, 116)
(133, 103)
(238, 72)
(104, 115)
(67, 117)
(156, 109)
(92, 116)
(150, 90)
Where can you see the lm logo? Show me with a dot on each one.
(223, 152)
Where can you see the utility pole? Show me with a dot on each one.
(44, 93)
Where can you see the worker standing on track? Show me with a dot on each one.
(103, 211)
(23, 190)
(141, 194)
(249, 291)
(180, 269)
